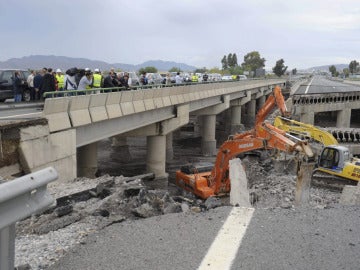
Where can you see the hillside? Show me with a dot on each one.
(63, 62)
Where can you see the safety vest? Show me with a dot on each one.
(194, 78)
(60, 80)
(97, 80)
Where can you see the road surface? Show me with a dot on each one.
(272, 239)
(320, 85)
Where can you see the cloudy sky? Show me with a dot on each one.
(304, 33)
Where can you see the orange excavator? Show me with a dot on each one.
(205, 182)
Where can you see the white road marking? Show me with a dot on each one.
(307, 88)
(222, 252)
(20, 115)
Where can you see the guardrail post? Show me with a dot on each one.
(19, 199)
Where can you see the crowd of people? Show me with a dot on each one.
(47, 80)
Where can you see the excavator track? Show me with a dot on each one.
(331, 182)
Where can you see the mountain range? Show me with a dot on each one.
(64, 63)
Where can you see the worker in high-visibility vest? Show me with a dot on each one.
(60, 79)
(194, 78)
(97, 79)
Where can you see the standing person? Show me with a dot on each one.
(124, 80)
(30, 83)
(37, 82)
(69, 80)
(48, 83)
(60, 79)
(178, 78)
(98, 79)
(143, 79)
(85, 81)
(17, 86)
(205, 77)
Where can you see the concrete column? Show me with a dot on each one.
(156, 155)
(343, 118)
(235, 121)
(169, 147)
(87, 160)
(208, 141)
(250, 112)
(307, 118)
(261, 101)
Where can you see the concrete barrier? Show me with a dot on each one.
(56, 111)
(113, 105)
(138, 101)
(158, 101)
(148, 99)
(126, 102)
(79, 110)
(97, 107)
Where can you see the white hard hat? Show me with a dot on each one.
(87, 69)
(58, 70)
(96, 70)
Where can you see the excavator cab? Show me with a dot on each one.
(336, 160)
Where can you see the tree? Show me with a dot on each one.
(294, 71)
(332, 69)
(346, 72)
(232, 60)
(148, 70)
(353, 66)
(280, 68)
(174, 69)
(200, 70)
(252, 61)
(224, 63)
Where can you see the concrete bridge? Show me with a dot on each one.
(68, 141)
(306, 105)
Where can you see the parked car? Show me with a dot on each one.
(154, 78)
(226, 78)
(6, 84)
(186, 77)
(242, 77)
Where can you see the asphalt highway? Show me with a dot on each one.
(320, 85)
(273, 239)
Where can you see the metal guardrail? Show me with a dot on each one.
(20, 198)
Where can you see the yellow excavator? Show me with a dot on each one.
(334, 159)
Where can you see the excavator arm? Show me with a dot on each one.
(305, 130)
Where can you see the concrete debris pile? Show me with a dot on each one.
(112, 200)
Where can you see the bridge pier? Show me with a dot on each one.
(208, 142)
(235, 121)
(343, 118)
(87, 160)
(156, 155)
(208, 125)
(250, 109)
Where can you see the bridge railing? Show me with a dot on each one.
(20, 198)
